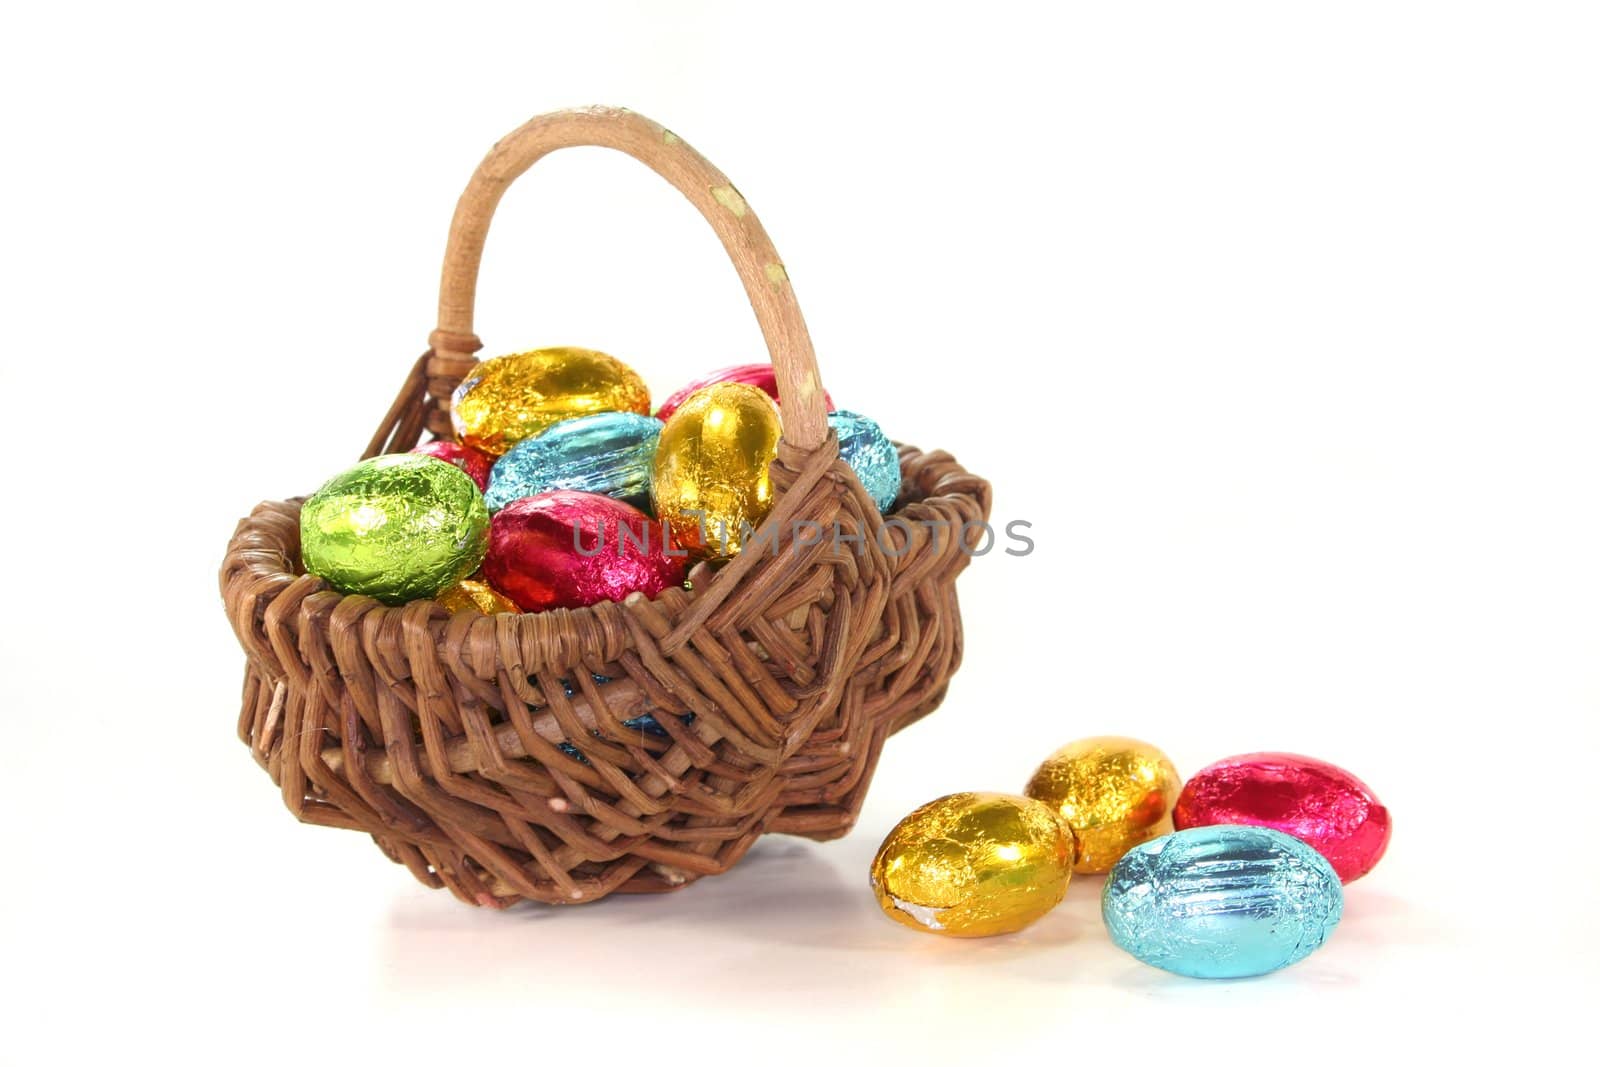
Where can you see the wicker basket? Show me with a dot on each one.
(489, 754)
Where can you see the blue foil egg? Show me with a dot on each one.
(1222, 901)
(870, 453)
(648, 724)
(608, 453)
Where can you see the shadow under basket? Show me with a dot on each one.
(626, 747)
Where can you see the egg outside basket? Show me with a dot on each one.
(490, 755)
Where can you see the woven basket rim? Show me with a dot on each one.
(950, 491)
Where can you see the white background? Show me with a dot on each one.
(1278, 321)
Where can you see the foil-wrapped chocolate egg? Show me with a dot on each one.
(760, 375)
(973, 864)
(475, 463)
(710, 479)
(395, 528)
(508, 398)
(471, 594)
(1222, 901)
(565, 549)
(1115, 792)
(609, 453)
(870, 453)
(1327, 807)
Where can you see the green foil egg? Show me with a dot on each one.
(395, 528)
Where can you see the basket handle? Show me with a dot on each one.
(803, 412)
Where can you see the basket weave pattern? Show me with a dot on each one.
(501, 757)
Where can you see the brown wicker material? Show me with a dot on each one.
(455, 741)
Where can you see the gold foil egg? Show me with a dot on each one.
(710, 480)
(1115, 793)
(509, 398)
(471, 594)
(973, 865)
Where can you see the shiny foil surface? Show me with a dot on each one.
(1115, 792)
(760, 375)
(1222, 901)
(609, 453)
(711, 479)
(475, 463)
(509, 398)
(870, 453)
(470, 594)
(395, 528)
(648, 724)
(1327, 807)
(565, 549)
(973, 865)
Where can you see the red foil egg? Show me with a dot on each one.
(1327, 807)
(759, 375)
(565, 549)
(476, 464)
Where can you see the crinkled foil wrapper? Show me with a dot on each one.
(395, 528)
(870, 453)
(711, 478)
(609, 453)
(475, 463)
(477, 596)
(973, 865)
(566, 549)
(1325, 806)
(1222, 901)
(760, 375)
(1115, 792)
(513, 397)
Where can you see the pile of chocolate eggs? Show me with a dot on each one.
(561, 489)
(1237, 872)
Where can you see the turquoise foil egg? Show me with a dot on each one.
(609, 453)
(870, 453)
(1222, 901)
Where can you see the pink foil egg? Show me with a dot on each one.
(1327, 807)
(566, 549)
(759, 375)
(476, 464)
